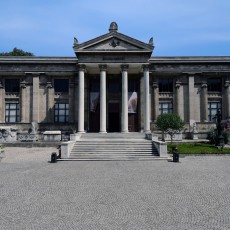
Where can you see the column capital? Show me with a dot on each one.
(23, 84)
(178, 84)
(1, 85)
(124, 67)
(145, 67)
(102, 67)
(227, 84)
(155, 85)
(35, 74)
(49, 84)
(204, 84)
(81, 67)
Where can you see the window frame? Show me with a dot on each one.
(8, 112)
(210, 115)
(60, 112)
(214, 84)
(12, 85)
(169, 109)
(61, 85)
(165, 85)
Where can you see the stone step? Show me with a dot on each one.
(113, 146)
(115, 159)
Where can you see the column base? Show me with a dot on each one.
(147, 131)
(101, 132)
(81, 132)
(125, 131)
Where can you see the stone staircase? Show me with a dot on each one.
(113, 146)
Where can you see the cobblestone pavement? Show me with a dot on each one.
(35, 194)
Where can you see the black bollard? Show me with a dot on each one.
(53, 158)
(175, 155)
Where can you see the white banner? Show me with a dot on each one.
(132, 104)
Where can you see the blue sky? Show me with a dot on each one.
(179, 27)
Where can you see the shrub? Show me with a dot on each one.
(212, 135)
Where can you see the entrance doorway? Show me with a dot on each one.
(114, 124)
(94, 105)
(113, 104)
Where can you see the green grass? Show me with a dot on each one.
(198, 148)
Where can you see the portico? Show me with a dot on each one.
(114, 99)
(114, 60)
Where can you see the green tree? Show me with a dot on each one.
(17, 52)
(169, 123)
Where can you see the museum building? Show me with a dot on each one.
(114, 84)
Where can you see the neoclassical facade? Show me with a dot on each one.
(114, 84)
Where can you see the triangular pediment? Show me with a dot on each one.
(113, 42)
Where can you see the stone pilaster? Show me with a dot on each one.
(191, 96)
(50, 102)
(23, 101)
(35, 101)
(124, 108)
(103, 98)
(227, 98)
(81, 92)
(2, 103)
(204, 102)
(155, 101)
(179, 98)
(146, 99)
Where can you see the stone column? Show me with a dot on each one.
(227, 96)
(81, 107)
(50, 102)
(102, 98)
(204, 102)
(178, 99)
(155, 101)
(146, 99)
(23, 101)
(35, 104)
(191, 96)
(124, 108)
(2, 103)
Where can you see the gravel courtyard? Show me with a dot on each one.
(35, 194)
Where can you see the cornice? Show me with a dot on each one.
(189, 59)
(37, 60)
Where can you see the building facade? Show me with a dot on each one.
(114, 84)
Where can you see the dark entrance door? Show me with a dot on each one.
(133, 122)
(114, 95)
(94, 105)
(114, 117)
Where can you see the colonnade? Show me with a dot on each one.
(124, 100)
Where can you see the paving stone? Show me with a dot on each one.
(35, 194)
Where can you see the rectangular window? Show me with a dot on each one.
(12, 112)
(165, 107)
(214, 85)
(61, 85)
(12, 85)
(213, 107)
(166, 85)
(61, 112)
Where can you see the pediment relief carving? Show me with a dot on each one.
(114, 44)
